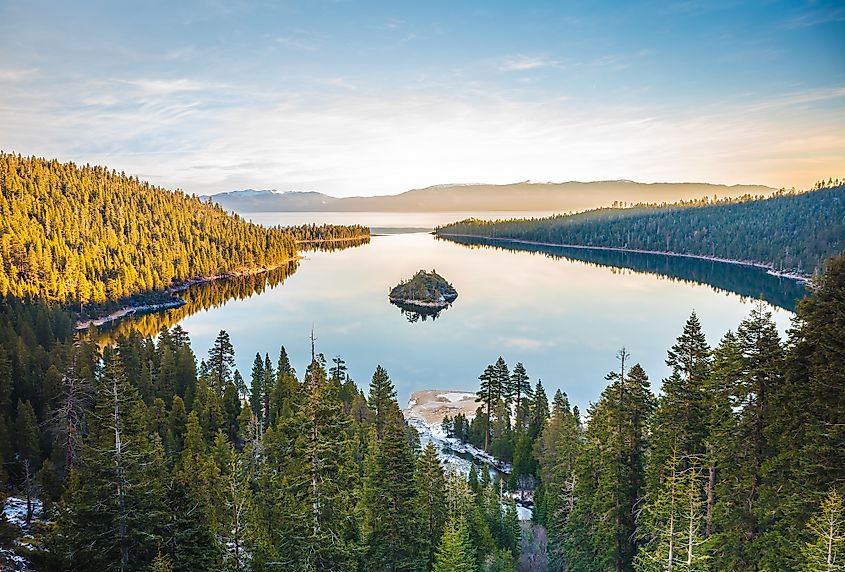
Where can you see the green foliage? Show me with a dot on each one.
(825, 550)
(391, 523)
(426, 287)
(327, 232)
(88, 235)
(454, 554)
(789, 231)
(382, 395)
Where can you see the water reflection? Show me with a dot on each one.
(332, 245)
(200, 297)
(418, 313)
(746, 281)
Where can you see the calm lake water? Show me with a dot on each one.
(564, 314)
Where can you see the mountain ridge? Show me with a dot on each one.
(522, 196)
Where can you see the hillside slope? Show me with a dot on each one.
(84, 234)
(794, 232)
(556, 197)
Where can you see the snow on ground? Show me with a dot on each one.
(425, 413)
(454, 396)
(15, 510)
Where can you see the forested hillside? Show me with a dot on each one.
(793, 232)
(737, 465)
(326, 232)
(85, 234)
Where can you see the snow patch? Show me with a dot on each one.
(15, 510)
(454, 396)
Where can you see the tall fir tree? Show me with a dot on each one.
(114, 513)
(488, 395)
(431, 485)
(221, 361)
(382, 394)
(454, 552)
(391, 523)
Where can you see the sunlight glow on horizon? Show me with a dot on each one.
(363, 99)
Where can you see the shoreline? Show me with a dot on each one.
(175, 302)
(420, 303)
(321, 240)
(769, 268)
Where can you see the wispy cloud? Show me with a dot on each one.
(526, 63)
(171, 86)
(817, 17)
(17, 74)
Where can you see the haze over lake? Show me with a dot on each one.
(563, 318)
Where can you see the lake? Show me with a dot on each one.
(564, 313)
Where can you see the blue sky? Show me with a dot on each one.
(360, 98)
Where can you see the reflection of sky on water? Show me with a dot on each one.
(563, 319)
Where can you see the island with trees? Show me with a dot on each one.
(425, 294)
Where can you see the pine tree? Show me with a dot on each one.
(431, 485)
(311, 482)
(256, 393)
(454, 554)
(557, 449)
(825, 551)
(266, 390)
(196, 498)
(390, 498)
(521, 390)
(488, 394)
(502, 380)
(756, 377)
(113, 515)
(672, 522)
(680, 421)
(539, 411)
(382, 393)
(221, 361)
(807, 420)
(601, 532)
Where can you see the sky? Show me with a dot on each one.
(365, 98)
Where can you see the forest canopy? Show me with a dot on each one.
(80, 234)
(790, 231)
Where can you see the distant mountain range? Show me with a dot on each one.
(526, 196)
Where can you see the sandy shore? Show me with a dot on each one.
(432, 405)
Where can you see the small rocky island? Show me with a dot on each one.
(423, 295)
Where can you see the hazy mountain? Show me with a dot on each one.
(526, 196)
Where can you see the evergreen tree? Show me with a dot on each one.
(113, 515)
(311, 480)
(502, 380)
(382, 393)
(454, 554)
(601, 532)
(221, 361)
(557, 449)
(825, 551)
(431, 485)
(390, 498)
(195, 500)
(672, 523)
(807, 420)
(539, 411)
(488, 394)
(521, 390)
(680, 421)
(755, 377)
